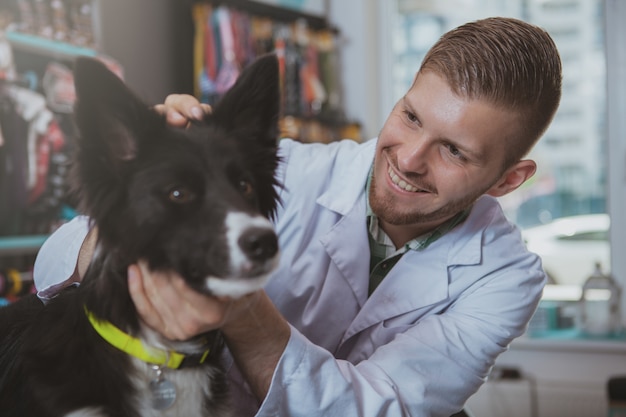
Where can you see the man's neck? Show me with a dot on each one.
(400, 235)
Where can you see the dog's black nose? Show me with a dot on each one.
(259, 244)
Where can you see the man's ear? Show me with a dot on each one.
(513, 178)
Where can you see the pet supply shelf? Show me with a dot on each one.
(280, 13)
(19, 245)
(49, 47)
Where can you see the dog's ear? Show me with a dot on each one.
(254, 101)
(108, 115)
(112, 124)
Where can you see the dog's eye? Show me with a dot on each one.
(245, 188)
(181, 195)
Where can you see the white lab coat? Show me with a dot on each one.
(425, 340)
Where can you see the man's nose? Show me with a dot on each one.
(414, 156)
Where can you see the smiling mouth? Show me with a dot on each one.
(401, 183)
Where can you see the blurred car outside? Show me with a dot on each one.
(571, 246)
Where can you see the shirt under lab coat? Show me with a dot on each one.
(420, 345)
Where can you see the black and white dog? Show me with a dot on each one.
(194, 200)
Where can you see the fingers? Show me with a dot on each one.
(172, 117)
(195, 313)
(146, 290)
(140, 298)
(168, 305)
(166, 308)
(180, 108)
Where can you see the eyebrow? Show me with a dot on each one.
(478, 156)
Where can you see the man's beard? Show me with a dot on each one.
(385, 209)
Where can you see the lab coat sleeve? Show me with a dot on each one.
(310, 382)
(56, 261)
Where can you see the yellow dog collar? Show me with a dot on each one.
(135, 347)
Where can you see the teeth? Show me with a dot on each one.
(401, 183)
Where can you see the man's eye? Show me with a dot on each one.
(410, 116)
(455, 152)
(181, 195)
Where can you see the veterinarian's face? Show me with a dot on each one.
(436, 154)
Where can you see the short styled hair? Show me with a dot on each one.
(509, 63)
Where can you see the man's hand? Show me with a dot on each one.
(254, 330)
(168, 305)
(179, 109)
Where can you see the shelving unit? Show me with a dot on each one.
(312, 100)
(37, 50)
(32, 54)
(47, 47)
(21, 245)
(275, 12)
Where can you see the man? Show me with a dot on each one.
(401, 281)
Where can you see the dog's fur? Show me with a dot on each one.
(194, 200)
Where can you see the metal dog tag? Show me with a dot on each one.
(163, 394)
(163, 391)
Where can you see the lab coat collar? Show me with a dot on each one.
(343, 193)
(346, 197)
(419, 280)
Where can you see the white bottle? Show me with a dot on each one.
(599, 304)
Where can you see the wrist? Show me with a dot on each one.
(257, 339)
(86, 252)
(257, 323)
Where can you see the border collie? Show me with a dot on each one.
(197, 201)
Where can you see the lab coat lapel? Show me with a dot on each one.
(346, 242)
(420, 279)
(347, 245)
